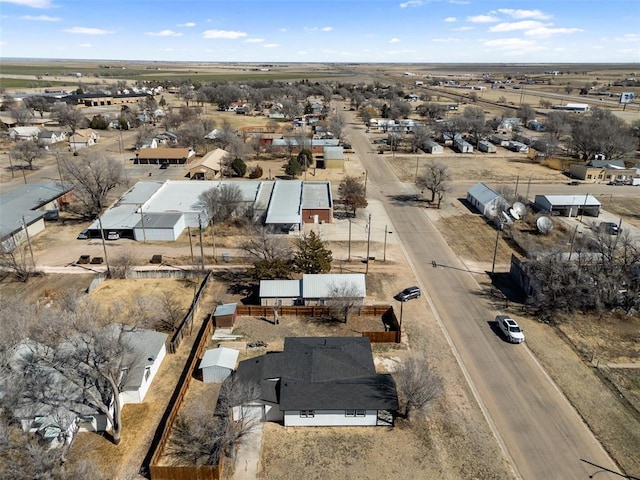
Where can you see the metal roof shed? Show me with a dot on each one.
(287, 292)
(569, 205)
(217, 364)
(484, 199)
(318, 287)
(225, 315)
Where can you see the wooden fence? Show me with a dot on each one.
(392, 333)
(187, 321)
(308, 311)
(170, 472)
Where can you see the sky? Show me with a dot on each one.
(346, 31)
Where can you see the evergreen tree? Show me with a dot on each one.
(312, 256)
(293, 168)
(239, 167)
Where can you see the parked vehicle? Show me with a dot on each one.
(83, 235)
(610, 227)
(510, 329)
(408, 293)
(84, 259)
(164, 166)
(113, 236)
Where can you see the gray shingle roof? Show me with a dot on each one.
(321, 373)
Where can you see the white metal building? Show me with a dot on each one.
(217, 364)
(484, 199)
(432, 147)
(569, 205)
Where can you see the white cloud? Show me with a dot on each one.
(537, 14)
(87, 31)
(411, 3)
(254, 40)
(445, 40)
(228, 34)
(546, 31)
(164, 33)
(628, 37)
(271, 45)
(524, 25)
(459, 2)
(450, 19)
(512, 45)
(284, 30)
(32, 3)
(463, 29)
(326, 29)
(394, 40)
(188, 25)
(482, 19)
(316, 29)
(41, 18)
(303, 52)
(85, 45)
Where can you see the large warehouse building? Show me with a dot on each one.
(163, 210)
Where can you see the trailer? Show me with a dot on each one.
(432, 147)
(500, 140)
(462, 146)
(487, 147)
(518, 147)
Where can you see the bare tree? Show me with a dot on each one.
(93, 176)
(264, 244)
(203, 435)
(418, 386)
(476, 123)
(343, 299)
(28, 152)
(15, 259)
(21, 114)
(122, 263)
(221, 202)
(68, 116)
(336, 124)
(435, 178)
(526, 113)
(421, 135)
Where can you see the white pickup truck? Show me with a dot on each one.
(510, 328)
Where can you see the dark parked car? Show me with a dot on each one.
(610, 227)
(408, 294)
(164, 166)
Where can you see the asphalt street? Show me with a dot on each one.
(541, 433)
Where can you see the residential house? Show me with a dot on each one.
(462, 145)
(332, 157)
(50, 137)
(24, 133)
(312, 289)
(83, 138)
(319, 381)
(598, 171)
(65, 407)
(486, 146)
(210, 166)
(24, 210)
(432, 147)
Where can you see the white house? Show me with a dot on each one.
(24, 133)
(462, 145)
(218, 363)
(83, 138)
(432, 147)
(569, 205)
(319, 381)
(318, 287)
(484, 199)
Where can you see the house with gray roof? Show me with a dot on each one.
(319, 381)
(27, 207)
(312, 289)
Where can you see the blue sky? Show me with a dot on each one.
(456, 31)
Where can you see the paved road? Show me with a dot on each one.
(543, 436)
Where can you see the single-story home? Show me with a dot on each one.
(49, 137)
(24, 133)
(462, 145)
(486, 200)
(66, 408)
(569, 205)
(332, 157)
(432, 147)
(160, 155)
(208, 167)
(486, 146)
(312, 289)
(607, 171)
(83, 138)
(29, 206)
(319, 381)
(218, 363)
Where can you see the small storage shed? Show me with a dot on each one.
(217, 364)
(225, 315)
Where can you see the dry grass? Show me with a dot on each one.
(626, 207)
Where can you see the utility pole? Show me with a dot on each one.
(349, 247)
(415, 180)
(201, 247)
(515, 194)
(368, 243)
(384, 250)
(495, 250)
(24, 224)
(190, 243)
(104, 247)
(213, 243)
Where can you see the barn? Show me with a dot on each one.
(217, 364)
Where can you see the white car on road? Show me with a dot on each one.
(510, 328)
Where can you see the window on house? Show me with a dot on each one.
(349, 413)
(589, 177)
(361, 413)
(307, 413)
